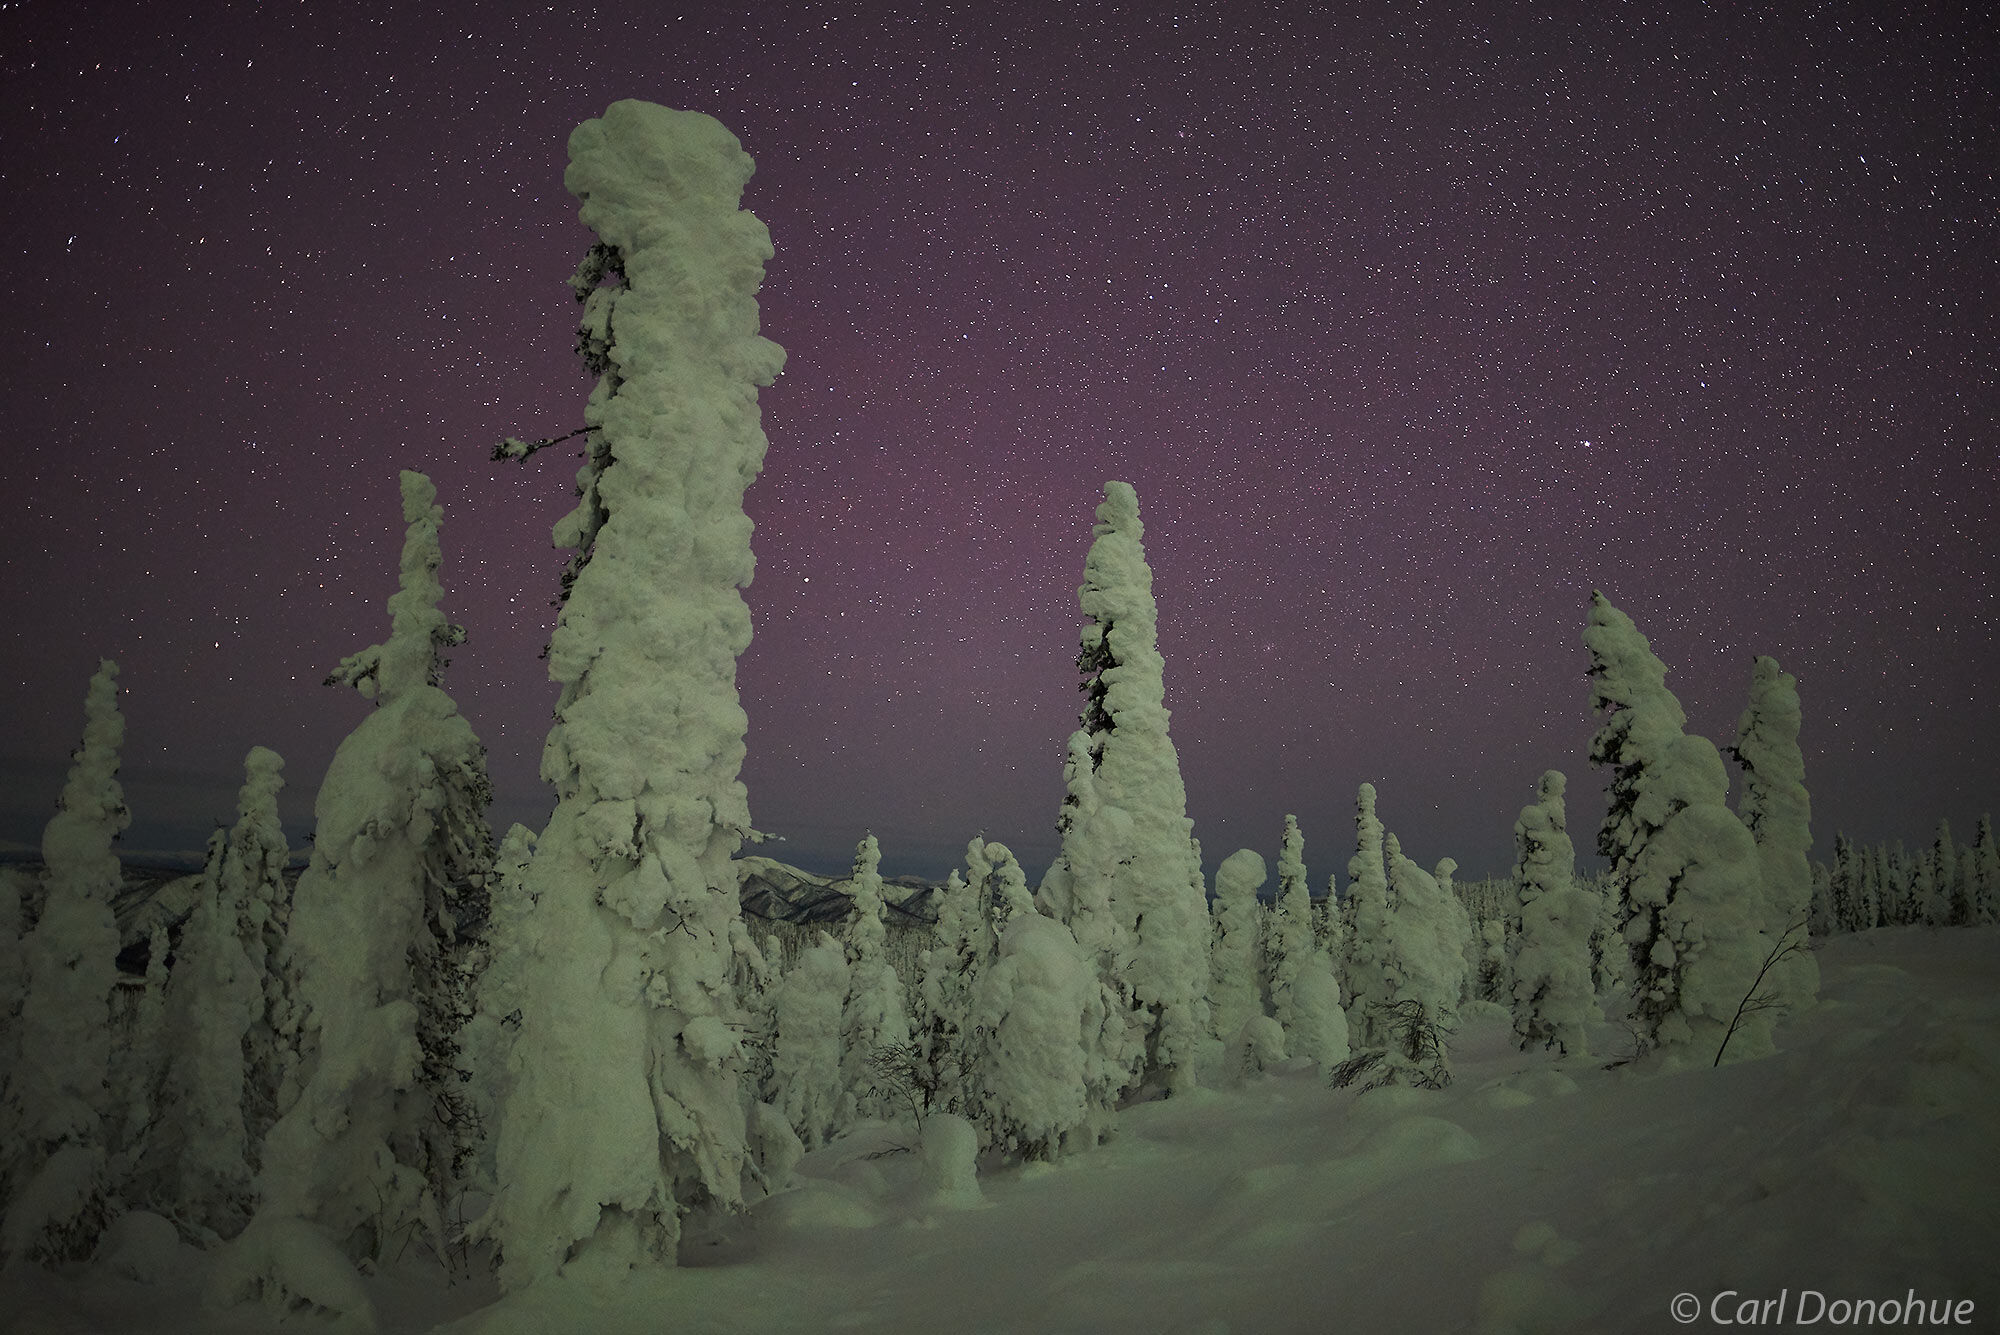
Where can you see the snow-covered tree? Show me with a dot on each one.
(499, 997)
(806, 1082)
(1985, 874)
(54, 1141)
(1951, 887)
(1290, 943)
(1924, 905)
(876, 1016)
(1127, 853)
(1554, 1000)
(625, 1105)
(1035, 1005)
(1423, 939)
(228, 1058)
(253, 889)
(16, 888)
(1233, 997)
(1777, 811)
(1367, 987)
(375, 1147)
(960, 947)
(1687, 870)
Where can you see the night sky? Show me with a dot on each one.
(1410, 323)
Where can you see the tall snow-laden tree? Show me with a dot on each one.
(1127, 844)
(375, 1147)
(227, 1063)
(1423, 941)
(1233, 997)
(254, 891)
(949, 967)
(1986, 873)
(1291, 937)
(806, 1084)
(876, 1016)
(1687, 870)
(1951, 888)
(1035, 1005)
(1366, 985)
(1554, 1001)
(54, 1142)
(1777, 811)
(625, 1106)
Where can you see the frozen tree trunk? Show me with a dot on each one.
(1554, 999)
(375, 1146)
(1127, 843)
(626, 1105)
(1777, 811)
(52, 1120)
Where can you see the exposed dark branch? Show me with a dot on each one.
(515, 448)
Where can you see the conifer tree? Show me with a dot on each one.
(1367, 986)
(54, 1138)
(1233, 993)
(1777, 810)
(1985, 874)
(227, 1062)
(1951, 887)
(626, 1103)
(1291, 937)
(1554, 1001)
(381, 1136)
(806, 1079)
(875, 1016)
(1686, 869)
(1127, 852)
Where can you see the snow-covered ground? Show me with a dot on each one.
(1862, 1162)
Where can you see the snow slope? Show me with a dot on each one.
(1861, 1161)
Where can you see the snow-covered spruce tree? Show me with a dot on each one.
(380, 1138)
(1554, 1000)
(1127, 842)
(226, 1062)
(1777, 811)
(16, 885)
(806, 1081)
(1951, 888)
(139, 1060)
(875, 1017)
(1986, 873)
(1367, 987)
(252, 886)
(942, 1034)
(1305, 989)
(53, 1132)
(499, 1000)
(626, 1108)
(1423, 957)
(1686, 868)
(1233, 997)
(1036, 1008)
(1290, 943)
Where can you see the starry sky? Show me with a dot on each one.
(1411, 323)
